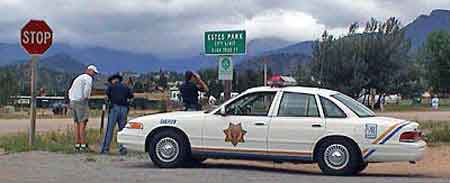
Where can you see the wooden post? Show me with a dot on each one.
(32, 128)
(265, 71)
(102, 119)
(227, 89)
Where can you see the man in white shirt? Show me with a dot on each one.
(435, 103)
(79, 93)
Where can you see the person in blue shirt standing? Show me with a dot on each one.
(118, 95)
(189, 91)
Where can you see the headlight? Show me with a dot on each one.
(134, 125)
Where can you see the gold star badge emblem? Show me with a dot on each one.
(234, 133)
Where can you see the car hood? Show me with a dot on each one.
(170, 115)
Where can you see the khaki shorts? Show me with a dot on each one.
(80, 111)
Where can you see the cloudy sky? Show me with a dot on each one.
(174, 27)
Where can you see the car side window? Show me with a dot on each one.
(298, 105)
(331, 110)
(254, 104)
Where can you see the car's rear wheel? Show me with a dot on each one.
(338, 157)
(168, 149)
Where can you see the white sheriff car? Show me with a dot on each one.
(293, 124)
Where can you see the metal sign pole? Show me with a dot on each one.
(32, 129)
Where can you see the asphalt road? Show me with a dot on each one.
(51, 167)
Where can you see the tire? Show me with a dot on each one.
(338, 157)
(169, 149)
(196, 161)
(362, 167)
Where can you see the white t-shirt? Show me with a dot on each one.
(435, 102)
(81, 88)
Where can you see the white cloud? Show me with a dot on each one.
(174, 27)
(288, 25)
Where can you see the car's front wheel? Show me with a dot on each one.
(168, 149)
(338, 157)
(362, 167)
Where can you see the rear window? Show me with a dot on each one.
(358, 108)
(298, 105)
(331, 110)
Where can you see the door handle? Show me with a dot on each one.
(259, 123)
(316, 125)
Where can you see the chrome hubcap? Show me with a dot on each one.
(167, 149)
(336, 156)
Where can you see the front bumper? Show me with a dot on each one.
(398, 152)
(131, 139)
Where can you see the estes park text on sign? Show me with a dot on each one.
(225, 42)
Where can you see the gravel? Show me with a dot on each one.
(79, 168)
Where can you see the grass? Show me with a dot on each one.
(436, 132)
(52, 141)
(414, 108)
(407, 105)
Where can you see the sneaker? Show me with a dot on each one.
(84, 148)
(76, 147)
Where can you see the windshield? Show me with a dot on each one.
(355, 106)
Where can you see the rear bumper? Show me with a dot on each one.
(132, 141)
(398, 152)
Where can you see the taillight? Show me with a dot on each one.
(413, 136)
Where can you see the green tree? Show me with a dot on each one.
(210, 77)
(138, 86)
(377, 59)
(8, 85)
(437, 61)
(248, 79)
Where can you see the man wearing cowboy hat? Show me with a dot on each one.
(118, 95)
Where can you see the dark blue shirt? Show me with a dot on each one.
(119, 94)
(189, 92)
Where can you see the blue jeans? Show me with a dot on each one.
(117, 114)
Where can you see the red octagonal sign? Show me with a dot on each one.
(36, 37)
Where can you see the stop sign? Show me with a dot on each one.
(36, 37)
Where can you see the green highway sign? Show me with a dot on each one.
(225, 68)
(225, 42)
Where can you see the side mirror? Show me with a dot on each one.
(222, 111)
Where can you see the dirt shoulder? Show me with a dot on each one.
(419, 115)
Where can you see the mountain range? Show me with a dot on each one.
(281, 55)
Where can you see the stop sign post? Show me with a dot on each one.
(35, 37)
